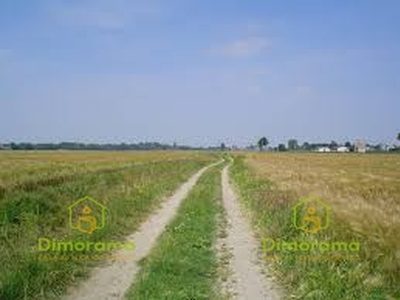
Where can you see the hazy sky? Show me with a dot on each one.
(199, 72)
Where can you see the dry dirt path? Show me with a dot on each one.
(249, 279)
(111, 281)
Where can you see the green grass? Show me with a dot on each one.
(130, 194)
(369, 277)
(183, 264)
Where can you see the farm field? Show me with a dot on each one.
(38, 188)
(26, 169)
(363, 192)
(199, 222)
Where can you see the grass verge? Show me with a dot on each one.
(371, 275)
(183, 264)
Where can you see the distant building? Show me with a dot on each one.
(324, 149)
(360, 146)
(343, 149)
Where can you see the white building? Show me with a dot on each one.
(343, 149)
(324, 149)
(360, 146)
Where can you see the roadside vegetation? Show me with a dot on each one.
(130, 188)
(363, 193)
(183, 264)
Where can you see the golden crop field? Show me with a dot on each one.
(363, 191)
(19, 167)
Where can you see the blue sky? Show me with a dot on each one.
(199, 72)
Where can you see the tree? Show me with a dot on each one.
(223, 146)
(350, 146)
(281, 147)
(263, 142)
(14, 146)
(306, 146)
(398, 136)
(293, 144)
(333, 145)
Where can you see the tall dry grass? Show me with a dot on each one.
(364, 194)
(362, 189)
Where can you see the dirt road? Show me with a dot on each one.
(110, 282)
(249, 278)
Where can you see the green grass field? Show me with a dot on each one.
(130, 185)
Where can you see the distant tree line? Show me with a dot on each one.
(94, 146)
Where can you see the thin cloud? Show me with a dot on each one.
(242, 48)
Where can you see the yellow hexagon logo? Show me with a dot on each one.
(86, 215)
(311, 215)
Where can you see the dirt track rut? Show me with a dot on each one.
(248, 281)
